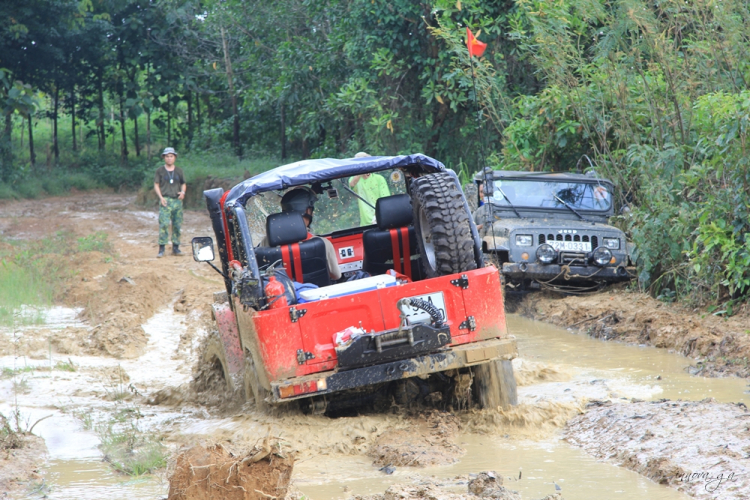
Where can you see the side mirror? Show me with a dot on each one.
(203, 249)
(489, 183)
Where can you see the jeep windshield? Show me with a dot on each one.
(337, 208)
(551, 194)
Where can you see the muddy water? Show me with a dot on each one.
(604, 370)
(556, 367)
(558, 371)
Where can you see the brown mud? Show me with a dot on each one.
(118, 292)
(720, 346)
(20, 459)
(426, 440)
(206, 472)
(701, 448)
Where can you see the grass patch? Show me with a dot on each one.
(96, 242)
(66, 366)
(10, 438)
(33, 274)
(125, 446)
(12, 372)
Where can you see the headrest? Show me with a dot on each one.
(393, 211)
(285, 228)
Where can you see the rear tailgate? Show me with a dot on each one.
(471, 302)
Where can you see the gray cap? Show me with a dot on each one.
(169, 151)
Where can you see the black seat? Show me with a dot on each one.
(394, 235)
(304, 259)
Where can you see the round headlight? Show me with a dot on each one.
(546, 254)
(601, 256)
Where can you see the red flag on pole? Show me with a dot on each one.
(476, 48)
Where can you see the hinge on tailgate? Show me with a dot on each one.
(304, 356)
(470, 323)
(296, 314)
(462, 282)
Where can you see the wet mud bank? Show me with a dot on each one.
(700, 448)
(719, 346)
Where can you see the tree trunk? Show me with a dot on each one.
(189, 98)
(73, 116)
(100, 125)
(137, 141)
(198, 112)
(124, 146)
(169, 120)
(7, 147)
(55, 145)
(148, 134)
(230, 84)
(32, 157)
(283, 132)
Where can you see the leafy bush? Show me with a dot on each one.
(7, 192)
(29, 188)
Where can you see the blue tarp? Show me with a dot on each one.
(307, 171)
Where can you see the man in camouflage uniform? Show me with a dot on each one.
(170, 187)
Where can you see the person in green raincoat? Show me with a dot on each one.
(370, 187)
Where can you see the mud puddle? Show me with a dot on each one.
(65, 397)
(608, 370)
(540, 464)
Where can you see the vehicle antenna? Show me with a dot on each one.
(488, 177)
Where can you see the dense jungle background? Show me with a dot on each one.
(651, 94)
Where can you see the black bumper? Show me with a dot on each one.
(450, 359)
(546, 272)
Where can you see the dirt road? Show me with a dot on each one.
(120, 296)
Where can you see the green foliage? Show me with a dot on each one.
(96, 242)
(125, 446)
(218, 164)
(655, 95)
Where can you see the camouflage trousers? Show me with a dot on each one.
(172, 213)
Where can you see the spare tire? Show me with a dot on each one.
(442, 225)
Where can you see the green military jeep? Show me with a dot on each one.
(551, 229)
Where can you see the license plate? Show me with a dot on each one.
(415, 315)
(570, 246)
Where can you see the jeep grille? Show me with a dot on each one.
(570, 237)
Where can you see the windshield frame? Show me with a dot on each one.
(327, 220)
(518, 202)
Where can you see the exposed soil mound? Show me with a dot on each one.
(203, 473)
(118, 330)
(426, 441)
(21, 457)
(700, 448)
(490, 485)
(721, 344)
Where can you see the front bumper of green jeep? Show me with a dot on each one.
(547, 272)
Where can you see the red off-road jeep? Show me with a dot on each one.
(428, 320)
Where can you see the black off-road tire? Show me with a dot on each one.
(442, 225)
(253, 387)
(494, 385)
